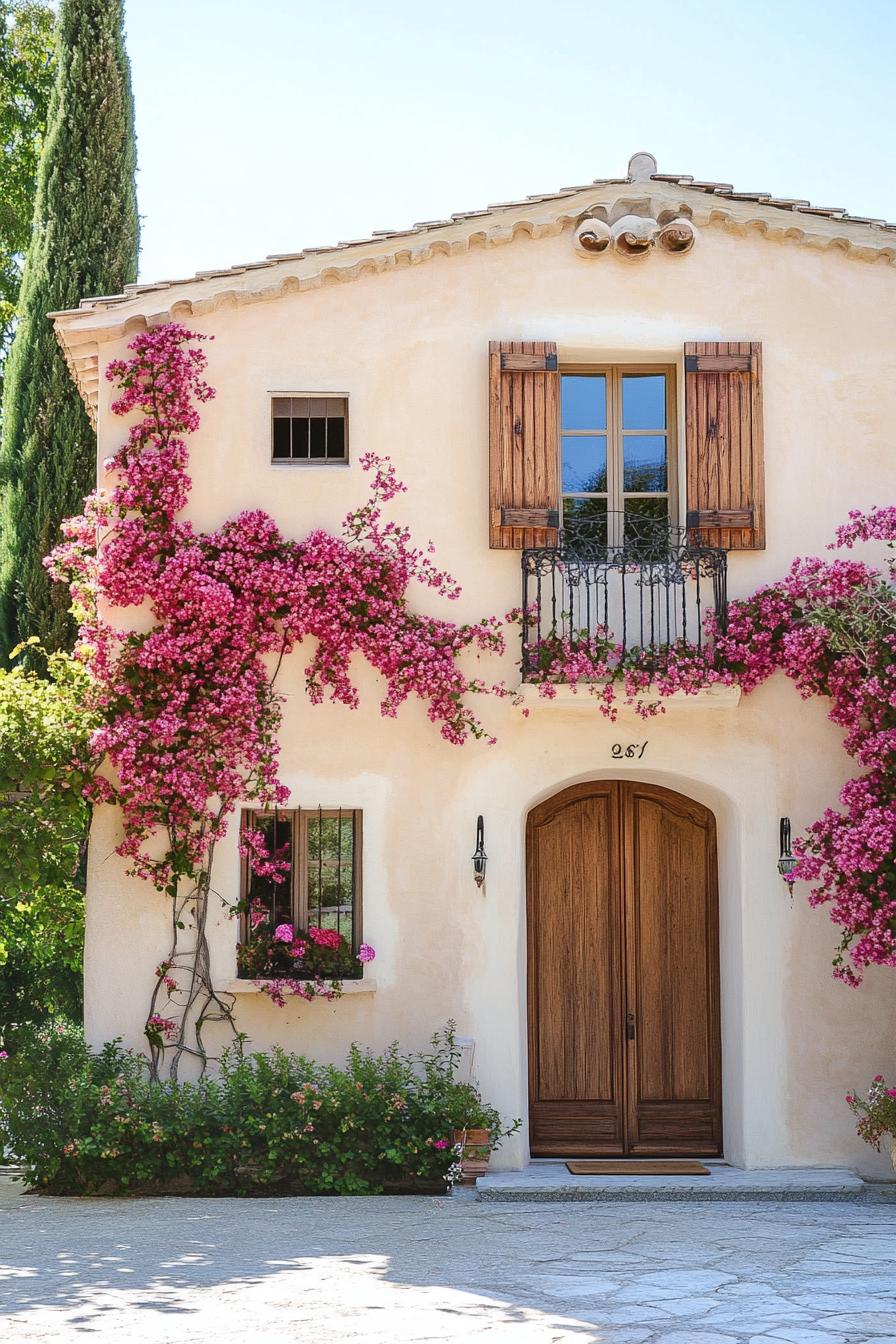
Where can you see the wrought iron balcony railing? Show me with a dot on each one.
(644, 582)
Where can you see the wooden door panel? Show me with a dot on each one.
(622, 918)
(575, 981)
(673, 1065)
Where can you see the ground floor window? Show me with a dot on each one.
(317, 856)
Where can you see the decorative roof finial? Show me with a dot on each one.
(641, 167)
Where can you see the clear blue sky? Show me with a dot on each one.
(266, 125)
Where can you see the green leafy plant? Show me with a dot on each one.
(44, 764)
(85, 1122)
(876, 1113)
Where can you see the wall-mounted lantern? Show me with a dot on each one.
(480, 858)
(786, 860)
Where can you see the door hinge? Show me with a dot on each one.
(629, 1026)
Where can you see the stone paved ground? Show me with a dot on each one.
(393, 1271)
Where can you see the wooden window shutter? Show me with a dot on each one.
(723, 432)
(524, 444)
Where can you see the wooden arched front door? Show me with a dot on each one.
(624, 1040)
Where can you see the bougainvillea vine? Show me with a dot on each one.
(190, 711)
(189, 706)
(830, 626)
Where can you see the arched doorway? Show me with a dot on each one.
(623, 983)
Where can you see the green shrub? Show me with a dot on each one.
(44, 820)
(83, 1122)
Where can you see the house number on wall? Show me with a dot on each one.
(633, 752)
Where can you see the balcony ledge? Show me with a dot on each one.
(365, 986)
(711, 697)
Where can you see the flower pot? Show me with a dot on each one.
(477, 1147)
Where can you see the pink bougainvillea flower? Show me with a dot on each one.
(284, 933)
(157, 1025)
(366, 952)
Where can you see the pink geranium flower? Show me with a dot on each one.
(324, 937)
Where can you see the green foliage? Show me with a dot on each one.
(44, 764)
(26, 79)
(84, 242)
(876, 1113)
(84, 1122)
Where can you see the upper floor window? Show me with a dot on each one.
(617, 431)
(311, 429)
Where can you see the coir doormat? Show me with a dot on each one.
(629, 1167)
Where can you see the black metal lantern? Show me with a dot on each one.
(480, 858)
(786, 861)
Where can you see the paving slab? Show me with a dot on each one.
(444, 1271)
(551, 1181)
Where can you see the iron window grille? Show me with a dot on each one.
(309, 430)
(322, 886)
(645, 581)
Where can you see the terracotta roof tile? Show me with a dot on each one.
(723, 190)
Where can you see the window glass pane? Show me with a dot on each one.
(323, 887)
(583, 401)
(281, 407)
(644, 458)
(323, 835)
(644, 401)
(335, 438)
(339, 919)
(281, 439)
(330, 879)
(301, 407)
(585, 520)
(647, 528)
(585, 464)
(276, 897)
(318, 439)
(646, 517)
(299, 438)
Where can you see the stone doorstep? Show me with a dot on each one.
(549, 1181)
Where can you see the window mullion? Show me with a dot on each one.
(300, 870)
(614, 457)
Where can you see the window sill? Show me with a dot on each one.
(309, 462)
(365, 986)
(713, 697)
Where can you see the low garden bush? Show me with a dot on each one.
(94, 1122)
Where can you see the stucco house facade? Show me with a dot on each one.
(611, 367)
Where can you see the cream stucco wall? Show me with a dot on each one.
(409, 348)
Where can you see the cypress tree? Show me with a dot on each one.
(84, 242)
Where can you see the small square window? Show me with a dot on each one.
(312, 430)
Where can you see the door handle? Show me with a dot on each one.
(629, 1026)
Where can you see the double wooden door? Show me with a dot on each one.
(624, 1040)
